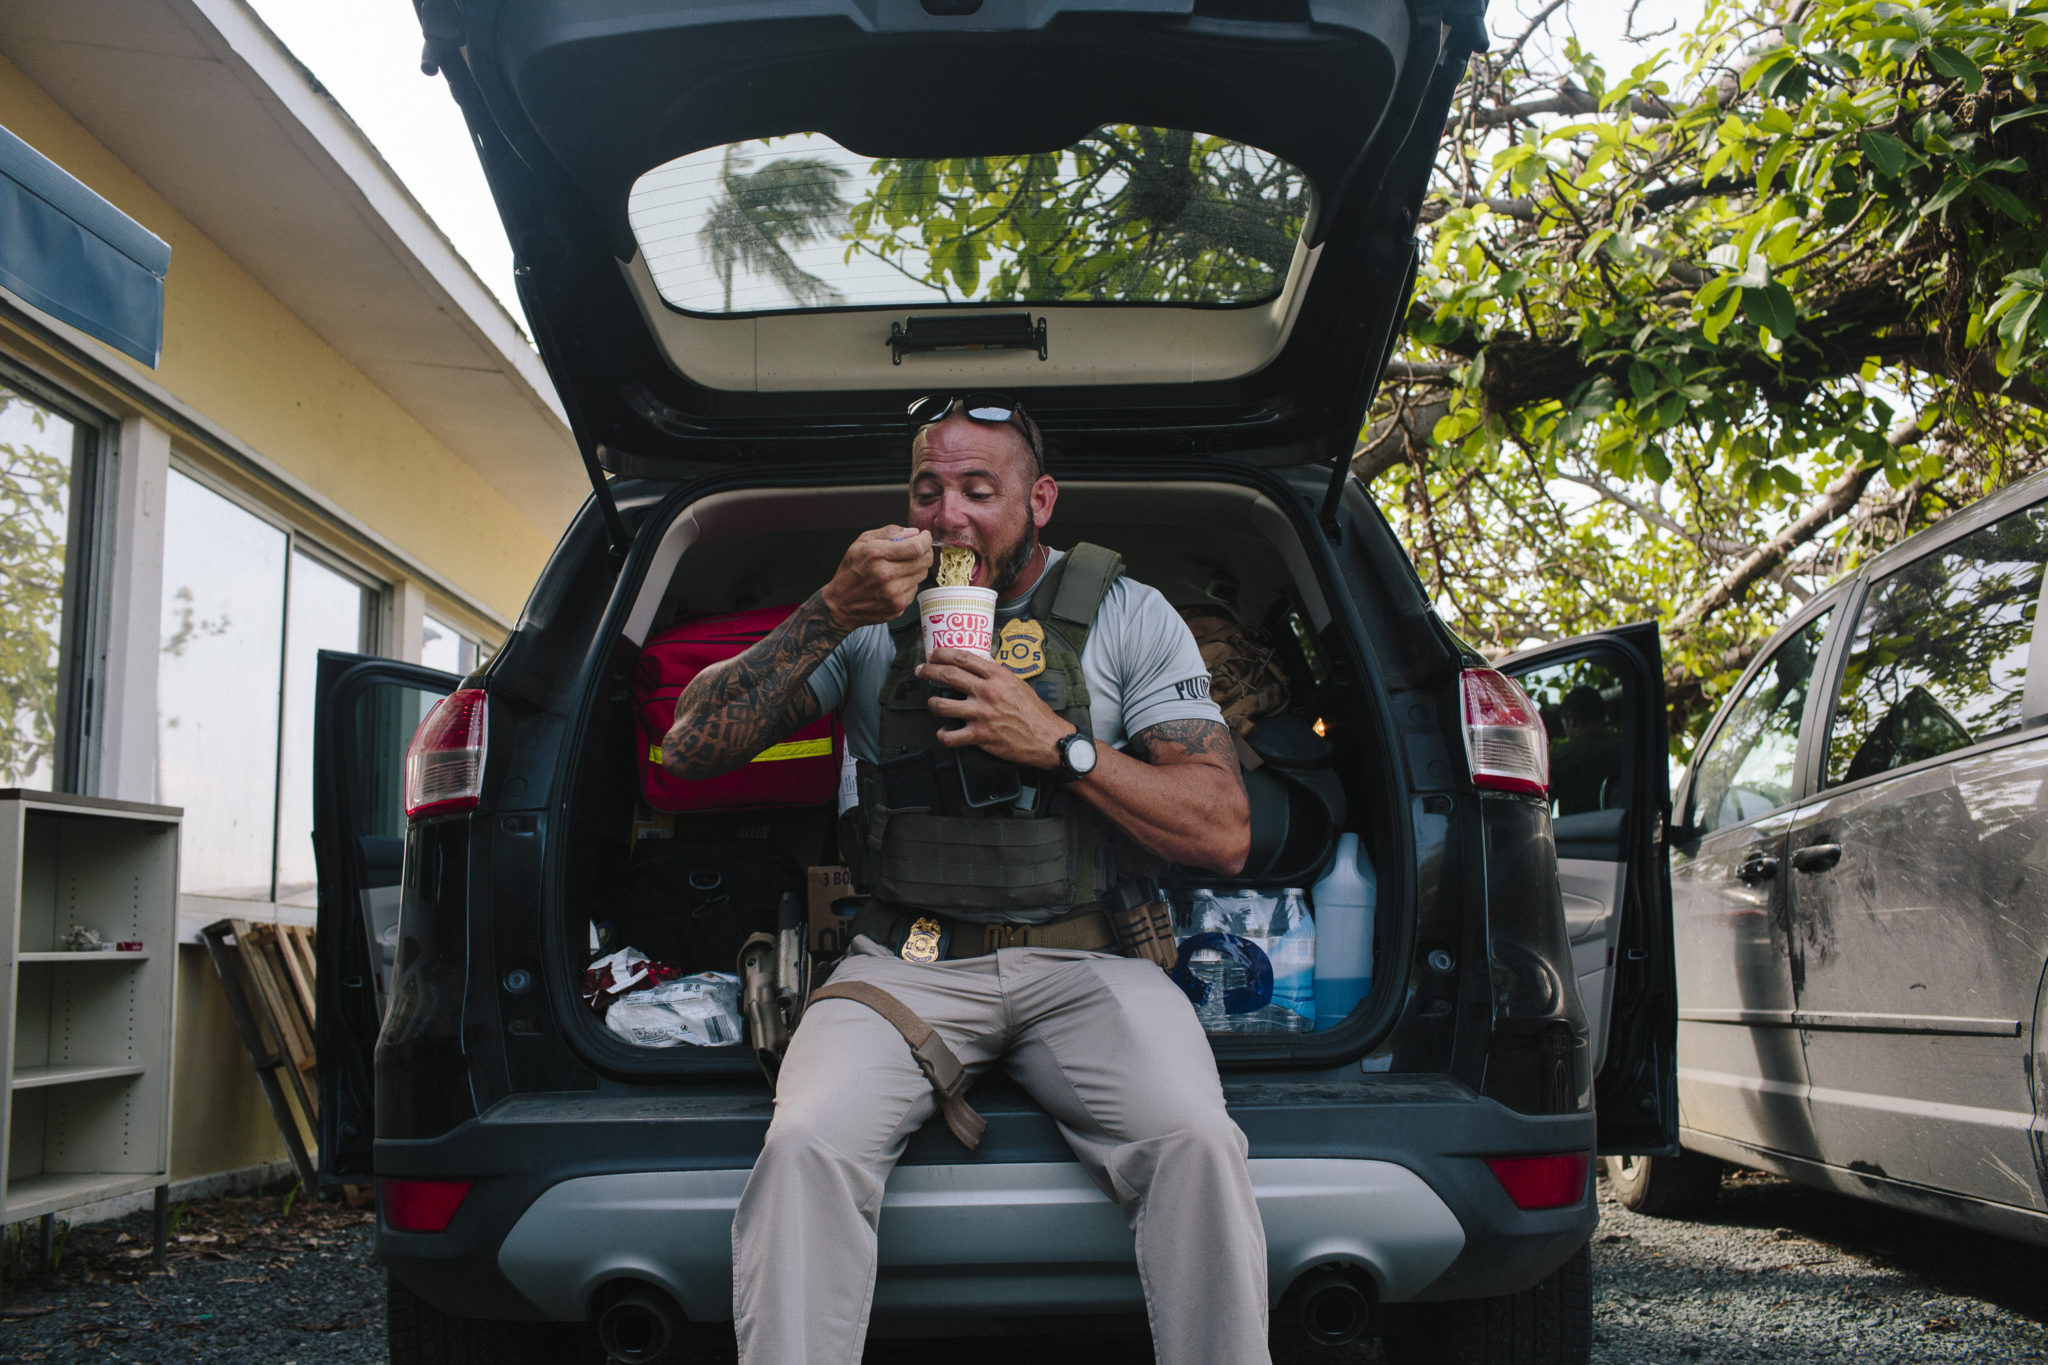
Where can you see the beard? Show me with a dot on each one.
(1002, 576)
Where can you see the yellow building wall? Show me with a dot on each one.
(252, 368)
(219, 1120)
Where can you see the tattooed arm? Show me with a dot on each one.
(740, 706)
(1176, 789)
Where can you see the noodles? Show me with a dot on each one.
(956, 566)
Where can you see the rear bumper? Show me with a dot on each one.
(574, 1190)
(1063, 1247)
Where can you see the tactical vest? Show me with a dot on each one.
(967, 835)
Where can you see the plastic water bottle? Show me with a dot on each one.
(1291, 945)
(1345, 899)
(1207, 965)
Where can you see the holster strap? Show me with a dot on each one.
(940, 1066)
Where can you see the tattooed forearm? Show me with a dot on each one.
(735, 709)
(1165, 791)
(1187, 741)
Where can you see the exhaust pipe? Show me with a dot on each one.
(1330, 1307)
(637, 1326)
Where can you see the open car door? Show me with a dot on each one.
(1602, 699)
(365, 711)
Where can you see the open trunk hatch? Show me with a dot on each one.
(1167, 225)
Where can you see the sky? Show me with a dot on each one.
(367, 54)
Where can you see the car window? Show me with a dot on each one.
(1582, 703)
(1939, 658)
(1127, 214)
(1747, 768)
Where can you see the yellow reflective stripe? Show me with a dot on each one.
(796, 748)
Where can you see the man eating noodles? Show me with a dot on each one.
(1010, 814)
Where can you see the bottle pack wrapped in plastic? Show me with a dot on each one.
(1249, 962)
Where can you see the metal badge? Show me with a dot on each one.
(1021, 648)
(922, 944)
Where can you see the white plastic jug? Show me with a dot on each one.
(1345, 898)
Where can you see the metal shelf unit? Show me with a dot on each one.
(85, 1073)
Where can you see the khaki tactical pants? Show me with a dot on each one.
(1108, 1045)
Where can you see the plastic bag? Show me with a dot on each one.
(701, 1010)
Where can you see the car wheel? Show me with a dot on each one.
(1684, 1186)
(1549, 1323)
(421, 1334)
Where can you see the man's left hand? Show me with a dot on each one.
(1000, 713)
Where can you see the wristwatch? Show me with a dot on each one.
(1077, 756)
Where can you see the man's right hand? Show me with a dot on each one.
(878, 577)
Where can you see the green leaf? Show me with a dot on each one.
(1642, 380)
(1955, 66)
(2031, 111)
(1943, 197)
(1771, 309)
(1719, 318)
(2002, 199)
(1889, 155)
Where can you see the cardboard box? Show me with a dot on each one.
(829, 933)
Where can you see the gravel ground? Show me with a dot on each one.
(1780, 1274)
(248, 1279)
(1799, 1277)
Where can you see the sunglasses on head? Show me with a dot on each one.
(991, 409)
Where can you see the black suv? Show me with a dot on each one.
(1183, 232)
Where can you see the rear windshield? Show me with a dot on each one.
(1126, 215)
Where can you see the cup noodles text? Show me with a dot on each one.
(959, 630)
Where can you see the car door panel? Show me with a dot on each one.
(1741, 1071)
(1923, 945)
(1912, 885)
(1612, 800)
(365, 712)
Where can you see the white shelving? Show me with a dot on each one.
(85, 1072)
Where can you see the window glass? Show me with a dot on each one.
(43, 459)
(444, 647)
(217, 688)
(1747, 769)
(327, 610)
(1127, 214)
(1581, 702)
(1939, 657)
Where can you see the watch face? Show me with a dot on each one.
(1080, 755)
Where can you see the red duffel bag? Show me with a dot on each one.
(803, 770)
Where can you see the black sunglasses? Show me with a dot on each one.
(992, 409)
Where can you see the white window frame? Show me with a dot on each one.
(82, 670)
(196, 912)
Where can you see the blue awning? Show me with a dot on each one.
(77, 257)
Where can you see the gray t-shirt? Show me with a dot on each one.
(1140, 663)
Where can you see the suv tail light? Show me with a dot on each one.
(444, 766)
(1505, 741)
(1542, 1182)
(421, 1205)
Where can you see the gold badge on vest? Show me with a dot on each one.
(1021, 648)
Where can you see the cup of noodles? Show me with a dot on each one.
(958, 618)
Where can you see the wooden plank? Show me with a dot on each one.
(287, 948)
(282, 1019)
(244, 1012)
(302, 938)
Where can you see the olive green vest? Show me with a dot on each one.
(969, 836)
